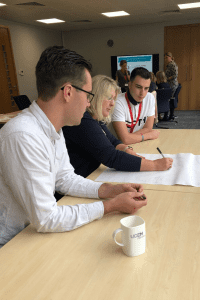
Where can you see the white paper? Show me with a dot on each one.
(185, 171)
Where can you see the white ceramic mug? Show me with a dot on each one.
(133, 235)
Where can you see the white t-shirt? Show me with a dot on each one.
(121, 111)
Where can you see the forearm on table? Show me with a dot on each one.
(148, 165)
(135, 137)
(105, 191)
(143, 131)
(109, 206)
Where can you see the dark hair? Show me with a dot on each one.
(56, 66)
(123, 61)
(142, 72)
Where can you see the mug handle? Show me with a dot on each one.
(114, 236)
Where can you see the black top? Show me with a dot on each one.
(91, 143)
(163, 85)
(122, 80)
(152, 87)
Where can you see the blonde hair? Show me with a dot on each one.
(169, 54)
(101, 88)
(161, 77)
(153, 77)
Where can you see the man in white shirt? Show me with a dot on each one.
(134, 111)
(34, 162)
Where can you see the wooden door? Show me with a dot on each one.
(177, 41)
(8, 77)
(194, 75)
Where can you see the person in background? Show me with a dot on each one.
(152, 89)
(171, 71)
(91, 143)
(162, 80)
(163, 84)
(153, 85)
(134, 111)
(123, 76)
(34, 161)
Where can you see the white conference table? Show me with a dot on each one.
(170, 141)
(86, 263)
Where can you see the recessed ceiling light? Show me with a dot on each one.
(50, 21)
(115, 14)
(189, 5)
(2, 4)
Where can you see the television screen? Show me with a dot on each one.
(150, 62)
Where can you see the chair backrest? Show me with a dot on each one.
(22, 101)
(177, 91)
(163, 97)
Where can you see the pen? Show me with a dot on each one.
(160, 152)
(143, 197)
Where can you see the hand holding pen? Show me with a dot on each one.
(168, 160)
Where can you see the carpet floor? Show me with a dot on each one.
(189, 119)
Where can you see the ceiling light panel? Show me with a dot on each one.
(50, 21)
(189, 5)
(115, 14)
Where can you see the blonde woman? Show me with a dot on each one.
(162, 80)
(91, 143)
(163, 84)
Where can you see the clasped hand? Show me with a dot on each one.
(126, 198)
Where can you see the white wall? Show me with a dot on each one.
(92, 44)
(129, 40)
(28, 42)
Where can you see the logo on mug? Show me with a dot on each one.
(137, 235)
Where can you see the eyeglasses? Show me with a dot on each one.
(110, 99)
(90, 96)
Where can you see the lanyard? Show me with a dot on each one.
(132, 126)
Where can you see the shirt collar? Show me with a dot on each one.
(131, 99)
(45, 123)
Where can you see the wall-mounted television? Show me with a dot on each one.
(148, 61)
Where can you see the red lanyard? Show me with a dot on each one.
(132, 126)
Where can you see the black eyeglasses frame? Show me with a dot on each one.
(78, 88)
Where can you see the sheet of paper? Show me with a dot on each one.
(185, 171)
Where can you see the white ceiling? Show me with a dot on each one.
(77, 13)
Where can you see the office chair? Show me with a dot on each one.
(22, 101)
(163, 102)
(174, 99)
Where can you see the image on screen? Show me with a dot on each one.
(145, 61)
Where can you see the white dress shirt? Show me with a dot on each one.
(33, 164)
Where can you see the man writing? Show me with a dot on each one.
(34, 159)
(134, 112)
